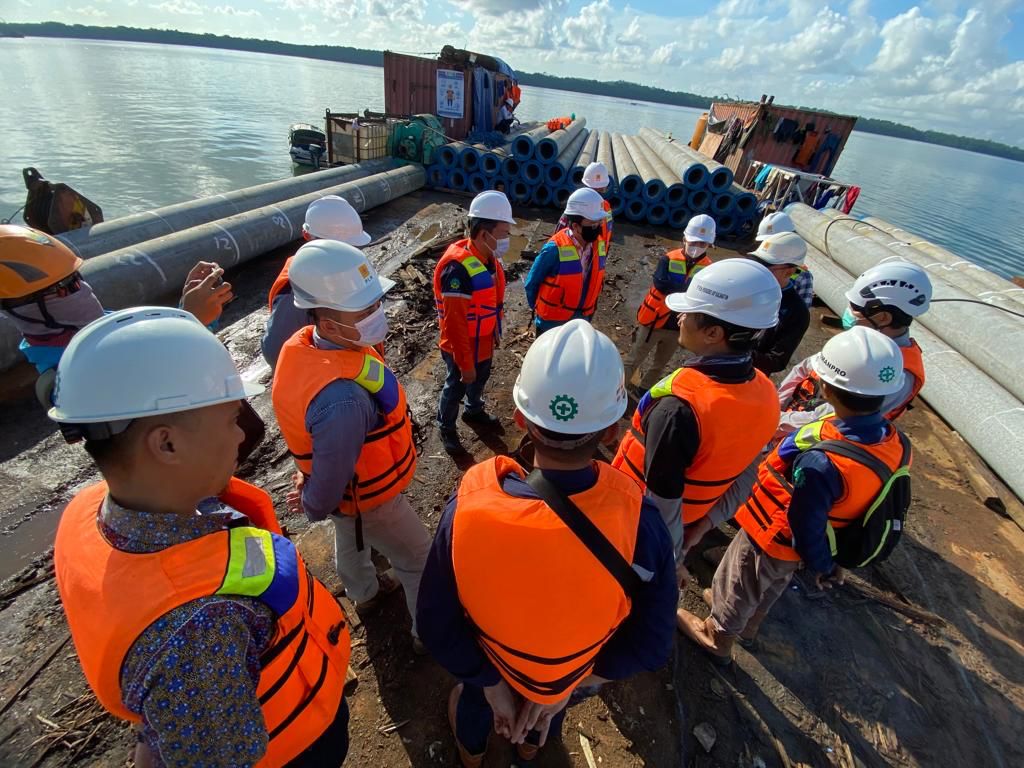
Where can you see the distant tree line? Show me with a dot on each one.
(619, 88)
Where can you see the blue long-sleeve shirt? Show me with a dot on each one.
(284, 321)
(338, 418)
(642, 642)
(546, 265)
(817, 486)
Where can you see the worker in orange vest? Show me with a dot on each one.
(657, 328)
(887, 298)
(813, 485)
(547, 584)
(596, 177)
(346, 422)
(698, 428)
(332, 218)
(193, 616)
(566, 278)
(469, 294)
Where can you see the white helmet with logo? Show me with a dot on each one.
(334, 218)
(143, 361)
(571, 381)
(773, 224)
(783, 248)
(894, 283)
(862, 361)
(701, 228)
(595, 176)
(335, 275)
(738, 291)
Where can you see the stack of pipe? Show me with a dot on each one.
(973, 354)
(653, 179)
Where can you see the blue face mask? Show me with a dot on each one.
(849, 319)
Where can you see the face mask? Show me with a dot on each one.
(693, 250)
(849, 319)
(590, 234)
(501, 246)
(372, 329)
(74, 310)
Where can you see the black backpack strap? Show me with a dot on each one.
(588, 533)
(863, 456)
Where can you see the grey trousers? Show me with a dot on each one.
(396, 531)
(747, 581)
(663, 343)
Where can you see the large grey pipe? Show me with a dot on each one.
(654, 187)
(606, 155)
(675, 190)
(631, 183)
(994, 422)
(970, 280)
(996, 285)
(551, 146)
(559, 171)
(587, 155)
(138, 227)
(692, 173)
(152, 270)
(991, 339)
(523, 145)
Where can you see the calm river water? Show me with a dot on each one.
(136, 126)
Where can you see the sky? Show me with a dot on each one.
(937, 64)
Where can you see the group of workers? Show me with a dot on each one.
(194, 615)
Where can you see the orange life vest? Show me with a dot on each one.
(111, 597)
(560, 296)
(735, 421)
(507, 551)
(388, 460)
(516, 94)
(764, 516)
(280, 283)
(652, 311)
(488, 290)
(607, 226)
(807, 396)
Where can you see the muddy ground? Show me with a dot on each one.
(836, 679)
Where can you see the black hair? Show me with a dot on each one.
(107, 451)
(859, 404)
(738, 338)
(476, 226)
(900, 319)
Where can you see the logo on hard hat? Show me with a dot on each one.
(835, 368)
(766, 245)
(716, 294)
(364, 271)
(564, 408)
(703, 230)
(887, 374)
(38, 237)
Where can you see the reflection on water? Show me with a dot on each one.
(136, 126)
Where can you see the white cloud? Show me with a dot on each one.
(230, 10)
(88, 12)
(180, 7)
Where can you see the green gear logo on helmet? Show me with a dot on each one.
(564, 408)
(887, 374)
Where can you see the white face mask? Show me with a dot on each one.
(500, 247)
(693, 250)
(372, 329)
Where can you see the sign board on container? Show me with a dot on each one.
(450, 93)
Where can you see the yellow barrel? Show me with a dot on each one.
(699, 130)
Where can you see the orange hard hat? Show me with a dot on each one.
(31, 260)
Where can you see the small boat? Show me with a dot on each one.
(308, 144)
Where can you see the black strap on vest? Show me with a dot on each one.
(588, 533)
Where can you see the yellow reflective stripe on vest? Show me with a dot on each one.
(473, 265)
(664, 387)
(251, 562)
(808, 435)
(371, 378)
(677, 266)
(568, 253)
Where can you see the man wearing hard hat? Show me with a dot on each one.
(332, 218)
(700, 427)
(595, 176)
(566, 278)
(346, 422)
(192, 615)
(546, 584)
(783, 254)
(802, 279)
(469, 293)
(812, 493)
(657, 328)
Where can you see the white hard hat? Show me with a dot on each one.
(571, 380)
(144, 361)
(700, 228)
(773, 224)
(595, 176)
(738, 291)
(492, 206)
(335, 275)
(334, 217)
(587, 203)
(861, 360)
(783, 248)
(895, 283)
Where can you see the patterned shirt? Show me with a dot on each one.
(803, 282)
(192, 674)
